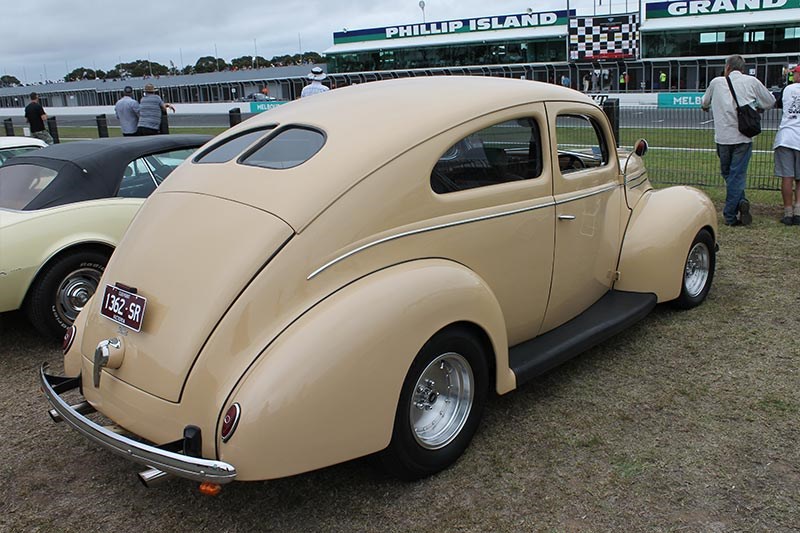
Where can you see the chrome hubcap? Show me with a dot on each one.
(698, 266)
(75, 291)
(442, 400)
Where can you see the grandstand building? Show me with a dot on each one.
(619, 45)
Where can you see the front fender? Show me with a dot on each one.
(326, 390)
(660, 232)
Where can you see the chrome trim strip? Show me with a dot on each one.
(453, 224)
(194, 468)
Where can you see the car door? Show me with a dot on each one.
(493, 174)
(589, 198)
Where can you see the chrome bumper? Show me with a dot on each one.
(194, 468)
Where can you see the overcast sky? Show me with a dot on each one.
(48, 38)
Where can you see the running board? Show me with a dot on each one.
(614, 312)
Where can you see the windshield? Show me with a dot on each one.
(6, 153)
(19, 184)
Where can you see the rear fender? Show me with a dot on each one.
(658, 237)
(326, 390)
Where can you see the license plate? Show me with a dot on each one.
(123, 307)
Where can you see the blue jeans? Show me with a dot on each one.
(733, 161)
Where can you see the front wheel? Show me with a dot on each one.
(440, 405)
(62, 290)
(698, 271)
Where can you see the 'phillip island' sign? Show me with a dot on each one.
(503, 22)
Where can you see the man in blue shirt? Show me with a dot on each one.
(150, 109)
(127, 111)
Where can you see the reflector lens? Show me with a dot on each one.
(210, 489)
(230, 422)
(69, 336)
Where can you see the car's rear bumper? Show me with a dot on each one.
(178, 464)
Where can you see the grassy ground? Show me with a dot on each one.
(685, 422)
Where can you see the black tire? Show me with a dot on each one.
(460, 360)
(61, 290)
(698, 271)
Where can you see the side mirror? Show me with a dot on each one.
(640, 148)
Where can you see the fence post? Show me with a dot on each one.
(164, 129)
(102, 126)
(234, 116)
(9, 124)
(611, 109)
(52, 125)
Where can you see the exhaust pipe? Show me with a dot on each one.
(152, 476)
(82, 408)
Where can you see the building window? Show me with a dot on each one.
(712, 37)
(753, 36)
(791, 33)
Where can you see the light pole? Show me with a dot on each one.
(422, 7)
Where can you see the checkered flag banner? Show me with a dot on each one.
(611, 37)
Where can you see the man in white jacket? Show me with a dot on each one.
(787, 151)
(733, 148)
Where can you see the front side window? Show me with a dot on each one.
(581, 143)
(20, 184)
(7, 153)
(143, 175)
(509, 151)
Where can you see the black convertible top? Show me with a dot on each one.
(89, 170)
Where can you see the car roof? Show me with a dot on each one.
(17, 142)
(365, 127)
(93, 169)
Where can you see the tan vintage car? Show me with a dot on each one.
(355, 272)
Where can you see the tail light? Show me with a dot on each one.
(69, 337)
(230, 422)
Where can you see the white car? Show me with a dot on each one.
(11, 146)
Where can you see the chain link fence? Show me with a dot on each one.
(682, 149)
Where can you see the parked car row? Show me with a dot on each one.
(64, 208)
(356, 272)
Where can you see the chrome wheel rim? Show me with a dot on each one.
(74, 291)
(441, 401)
(698, 266)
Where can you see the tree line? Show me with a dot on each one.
(142, 68)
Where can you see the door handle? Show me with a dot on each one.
(566, 217)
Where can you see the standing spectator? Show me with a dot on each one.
(127, 111)
(787, 150)
(36, 117)
(622, 81)
(565, 81)
(662, 79)
(150, 111)
(315, 87)
(586, 82)
(733, 148)
(595, 81)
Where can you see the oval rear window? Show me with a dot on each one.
(288, 148)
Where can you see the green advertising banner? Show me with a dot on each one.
(677, 100)
(260, 107)
(673, 8)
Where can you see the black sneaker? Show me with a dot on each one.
(796, 220)
(744, 212)
(788, 220)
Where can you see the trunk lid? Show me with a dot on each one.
(190, 255)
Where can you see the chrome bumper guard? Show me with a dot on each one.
(194, 468)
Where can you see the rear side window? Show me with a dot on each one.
(288, 148)
(231, 148)
(509, 151)
(20, 184)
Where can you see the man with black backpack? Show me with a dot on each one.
(725, 96)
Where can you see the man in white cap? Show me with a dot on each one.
(315, 87)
